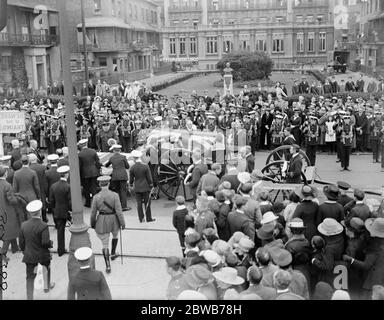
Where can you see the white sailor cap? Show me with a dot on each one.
(211, 117)
(115, 146)
(34, 206)
(279, 116)
(159, 118)
(137, 154)
(83, 254)
(5, 158)
(53, 157)
(63, 169)
(82, 142)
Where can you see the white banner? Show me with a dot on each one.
(12, 122)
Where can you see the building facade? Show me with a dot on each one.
(290, 31)
(29, 44)
(371, 41)
(122, 36)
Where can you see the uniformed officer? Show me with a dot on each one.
(107, 217)
(119, 174)
(211, 124)
(375, 127)
(5, 162)
(346, 142)
(312, 132)
(105, 134)
(175, 123)
(87, 283)
(277, 133)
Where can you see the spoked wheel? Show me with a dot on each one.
(171, 173)
(282, 154)
(274, 171)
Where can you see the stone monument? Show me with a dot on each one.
(228, 80)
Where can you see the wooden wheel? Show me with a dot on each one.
(282, 154)
(171, 172)
(274, 172)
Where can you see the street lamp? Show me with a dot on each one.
(84, 42)
(79, 230)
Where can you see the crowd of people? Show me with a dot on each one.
(237, 243)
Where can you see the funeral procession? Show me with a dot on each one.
(214, 150)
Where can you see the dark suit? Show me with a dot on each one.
(36, 152)
(89, 171)
(51, 177)
(40, 171)
(88, 284)
(141, 179)
(16, 156)
(232, 179)
(198, 171)
(294, 170)
(119, 176)
(60, 200)
(238, 221)
(26, 183)
(250, 163)
(34, 241)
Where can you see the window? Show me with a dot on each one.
(261, 45)
(309, 18)
(320, 18)
(192, 45)
(175, 23)
(97, 6)
(130, 10)
(185, 22)
(215, 4)
(182, 45)
(195, 23)
(172, 49)
(113, 8)
(311, 42)
(263, 20)
(114, 63)
(279, 19)
(212, 45)
(245, 45)
(278, 43)
(196, 3)
(246, 4)
(228, 46)
(5, 63)
(300, 42)
(103, 61)
(323, 41)
(299, 19)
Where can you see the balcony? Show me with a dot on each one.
(184, 9)
(27, 40)
(116, 47)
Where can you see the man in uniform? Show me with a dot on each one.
(107, 217)
(375, 127)
(119, 174)
(87, 283)
(277, 132)
(199, 169)
(5, 162)
(312, 132)
(40, 172)
(248, 128)
(60, 200)
(51, 177)
(346, 142)
(211, 125)
(175, 122)
(295, 166)
(35, 243)
(126, 133)
(89, 170)
(105, 135)
(140, 180)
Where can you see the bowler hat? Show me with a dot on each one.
(343, 185)
(331, 192)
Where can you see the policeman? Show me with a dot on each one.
(107, 217)
(312, 131)
(346, 142)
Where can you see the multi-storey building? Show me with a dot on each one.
(29, 44)
(372, 35)
(290, 31)
(122, 36)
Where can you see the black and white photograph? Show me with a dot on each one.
(191, 150)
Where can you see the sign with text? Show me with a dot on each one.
(12, 122)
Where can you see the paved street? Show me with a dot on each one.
(143, 274)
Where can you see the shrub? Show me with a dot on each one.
(247, 65)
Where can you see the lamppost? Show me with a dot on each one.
(79, 230)
(84, 42)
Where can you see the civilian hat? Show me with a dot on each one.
(375, 227)
(220, 247)
(266, 231)
(212, 257)
(115, 146)
(269, 217)
(228, 276)
(343, 185)
(244, 177)
(306, 192)
(137, 154)
(330, 227)
(191, 295)
(82, 142)
(197, 276)
(104, 179)
(355, 225)
(246, 244)
(192, 238)
(331, 192)
(296, 223)
(340, 295)
(280, 257)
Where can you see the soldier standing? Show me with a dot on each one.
(126, 133)
(346, 142)
(106, 218)
(375, 128)
(312, 131)
(277, 132)
(105, 134)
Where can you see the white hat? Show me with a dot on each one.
(157, 119)
(63, 169)
(65, 150)
(191, 295)
(244, 177)
(115, 146)
(83, 254)
(34, 206)
(5, 158)
(15, 143)
(82, 142)
(229, 276)
(269, 217)
(53, 157)
(32, 157)
(137, 154)
(340, 295)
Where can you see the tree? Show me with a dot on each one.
(247, 65)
